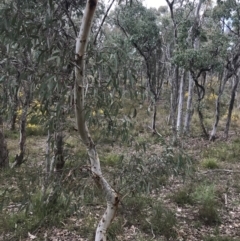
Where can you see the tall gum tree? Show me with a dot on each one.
(112, 198)
(230, 29)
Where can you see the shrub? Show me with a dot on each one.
(210, 163)
(183, 196)
(163, 221)
(205, 195)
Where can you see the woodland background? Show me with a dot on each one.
(161, 103)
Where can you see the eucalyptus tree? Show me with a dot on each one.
(144, 35)
(38, 59)
(197, 53)
(111, 195)
(227, 16)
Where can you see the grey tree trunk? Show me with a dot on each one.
(189, 111)
(4, 161)
(19, 159)
(58, 152)
(230, 108)
(180, 103)
(217, 111)
(14, 102)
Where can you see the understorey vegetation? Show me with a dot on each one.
(118, 121)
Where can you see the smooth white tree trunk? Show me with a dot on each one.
(79, 95)
(189, 111)
(180, 103)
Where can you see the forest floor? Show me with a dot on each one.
(200, 203)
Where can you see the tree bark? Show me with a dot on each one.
(79, 95)
(58, 152)
(230, 108)
(4, 162)
(19, 159)
(189, 111)
(180, 104)
(174, 103)
(14, 100)
(217, 111)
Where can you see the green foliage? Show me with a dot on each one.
(115, 229)
(210, 163)
(25, 207)
(183, 196)
(111, 159)
(163, 222)
(222, 151)
(144, 173)
(11, 134)
(35, 130)
(219, 238)
(144, 32)
(205, 196)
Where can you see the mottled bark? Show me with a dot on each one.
(79, 91)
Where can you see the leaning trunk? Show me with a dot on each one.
(79, 95)
(230, 108)
(217, 111)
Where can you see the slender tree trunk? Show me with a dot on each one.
(180, 103)
(80, 85)
(58, 152)
(189, 111)
(230, 108)
(200, 115)
(217, 111)
(154, 115)
(19, 159)
(14, 100)
(4, 162)
(174, 103)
